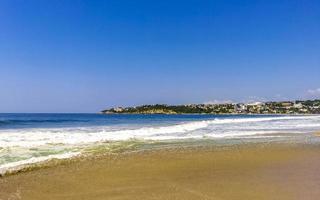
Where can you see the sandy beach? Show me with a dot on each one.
(159, 100)
(274, 171)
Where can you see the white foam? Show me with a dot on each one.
(13, 166)
(53, 138)
(37, 137)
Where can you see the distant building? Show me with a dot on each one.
(298, 105)
(287, 104)
(255, 103)
(240, 107)
(119, 109)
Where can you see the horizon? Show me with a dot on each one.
(119, 106)
(85, 56)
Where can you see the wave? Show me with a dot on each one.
(262, 119)
(14, 166)
(74, 136)
(21, 143)
(37, 137)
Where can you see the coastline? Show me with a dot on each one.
(271, 107)
(134, 146)
(218, 114)
(49, 137)
(243, 171)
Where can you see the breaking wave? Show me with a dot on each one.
(30, 145)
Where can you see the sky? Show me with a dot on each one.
(85, 56)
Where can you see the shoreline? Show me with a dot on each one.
(247, 171)
(134, 146)
(119, 150)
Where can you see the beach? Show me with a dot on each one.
(248, 171)
(159, 100)
(92, 156)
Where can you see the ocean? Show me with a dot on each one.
(33, 138)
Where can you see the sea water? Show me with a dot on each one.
(32, 138)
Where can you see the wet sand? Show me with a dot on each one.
(240, 172)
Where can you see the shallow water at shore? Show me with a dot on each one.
(239, 171)
(32, 138)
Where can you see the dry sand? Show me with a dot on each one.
(243, 172)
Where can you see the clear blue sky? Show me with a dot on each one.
(84, 56)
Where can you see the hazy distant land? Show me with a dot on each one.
(283, 107)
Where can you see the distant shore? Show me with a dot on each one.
(219, 114)
(282, 107)
(255, 171)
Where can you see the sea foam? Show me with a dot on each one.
(217, 127)
(18, 147)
